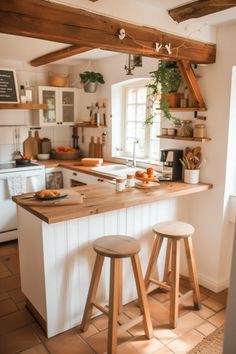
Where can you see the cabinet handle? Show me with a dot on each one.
(100, 180)
(58, 123)
(74, 174)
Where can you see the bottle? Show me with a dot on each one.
(22, 94)
(186, 96)
(28, 93)
(39, 142)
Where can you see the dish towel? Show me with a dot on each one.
(16, 185)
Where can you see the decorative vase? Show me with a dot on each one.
(191, 176)
(90, 86)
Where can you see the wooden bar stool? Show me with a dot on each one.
(174, 231)
(116, 248)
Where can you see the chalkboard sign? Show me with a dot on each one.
(8, 86)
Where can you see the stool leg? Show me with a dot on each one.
(167, 269)
(152, 261)
(142, 297)
(92, 292)
(120, 285)
(174, 293)
(113, 305)
(192, 272)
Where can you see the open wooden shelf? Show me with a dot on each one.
(88, 125)
(186, 138)
(186, 109)
(32, 106)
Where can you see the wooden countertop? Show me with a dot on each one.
(106, 198)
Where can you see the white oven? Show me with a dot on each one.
(35, 180)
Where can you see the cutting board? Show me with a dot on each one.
(91, 147)
(30, 146)
(73, 198)
(91, 162)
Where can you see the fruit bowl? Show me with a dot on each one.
(65, 155)
(146, 180)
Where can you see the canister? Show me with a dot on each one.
(199, 131)
(130, 180)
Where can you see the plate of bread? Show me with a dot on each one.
(49, 194)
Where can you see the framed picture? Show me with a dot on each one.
(8, 86)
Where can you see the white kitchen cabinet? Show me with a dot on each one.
(72, 178)
(62, 106)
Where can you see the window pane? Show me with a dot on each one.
(155, 148)
(140, 131)
(130, 130)
(132, 96)
(140, 148)
(141, 95)
(155, 130)
(129, 145)
(141, 113)
(131, 112)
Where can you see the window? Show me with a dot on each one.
(136, 109)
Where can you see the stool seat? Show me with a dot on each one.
(173, 229)
(116, 246)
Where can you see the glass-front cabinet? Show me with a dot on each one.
(62, 106)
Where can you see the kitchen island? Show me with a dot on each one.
(55, 245)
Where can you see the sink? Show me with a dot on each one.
(115, 170)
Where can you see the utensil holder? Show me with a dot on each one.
(191, 176)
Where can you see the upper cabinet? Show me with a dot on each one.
(61, 103)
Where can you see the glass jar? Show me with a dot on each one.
(130, 180)
(186, 128)
(120, 184)
(199, 131)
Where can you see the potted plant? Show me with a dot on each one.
(165, 80)
(90, 79)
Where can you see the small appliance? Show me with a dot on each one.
(171, 165)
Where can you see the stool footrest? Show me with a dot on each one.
(160, 284)
(101, 308)
(126, 326)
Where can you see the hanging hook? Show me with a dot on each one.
(158, 47)
(122, 34)
(167, 46)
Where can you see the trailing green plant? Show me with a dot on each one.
(165, 79)
(91, 76)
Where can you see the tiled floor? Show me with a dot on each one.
(19, 333)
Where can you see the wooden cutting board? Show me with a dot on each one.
(92, 147)
(30, 146)
(73, 198)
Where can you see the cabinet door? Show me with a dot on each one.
(48, 95)
(68, 106)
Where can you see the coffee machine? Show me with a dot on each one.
(171, 165)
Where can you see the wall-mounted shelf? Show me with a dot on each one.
(186, 109)
(186, 138)
(31, 106)
(88, 125)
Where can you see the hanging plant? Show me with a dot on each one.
(90, 79)
(165, 79)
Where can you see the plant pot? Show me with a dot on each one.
(173, 99)
(191, 176)
(90, 86)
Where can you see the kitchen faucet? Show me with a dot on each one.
(136, 141)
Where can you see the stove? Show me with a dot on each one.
(12, 167)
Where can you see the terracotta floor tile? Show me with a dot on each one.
(186, 342)
(39, 331)
(158, 311)
(131, 309)
(205, 312)
(164, 334)
(126, 348)
(38, 349)
(5, 274)
(3, 268)
(143, 345)
(10, 283)
(12, 263)
(7, 306)
(100, 322)
(67, 343)
(90, 331)
(17, 295)
(160, 296)
(21, 305)
(218, 319)
(213, 304)
(187, 322)
(164, 350)
(17, 341)
(137, 330)
(15, 321)
(8, 248)
(206, 328)
(99, 341)
(3, 296)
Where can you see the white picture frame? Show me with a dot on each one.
(8, 86)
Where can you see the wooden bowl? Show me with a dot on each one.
(65, 155)
(146, 180)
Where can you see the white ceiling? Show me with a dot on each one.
(26, 49)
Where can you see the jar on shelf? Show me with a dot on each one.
(186, 128)
(199, 131)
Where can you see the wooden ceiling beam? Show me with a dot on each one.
(200, 8)
(59, 54)
(64, 24)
